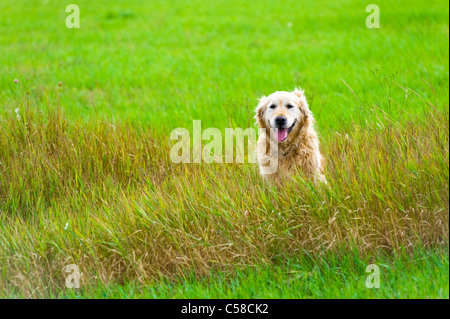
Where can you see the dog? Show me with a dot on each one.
(287, 125)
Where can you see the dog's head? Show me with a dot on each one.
(283, 112)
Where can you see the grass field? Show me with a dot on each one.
(86, 178)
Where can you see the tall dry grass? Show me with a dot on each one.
(107, 198)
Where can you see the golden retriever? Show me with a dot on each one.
(288, 124)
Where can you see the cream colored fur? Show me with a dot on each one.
(299, 153)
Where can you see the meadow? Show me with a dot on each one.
(86, 178)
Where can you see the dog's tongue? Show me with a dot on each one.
(281, 134)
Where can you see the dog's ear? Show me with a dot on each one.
(303, 103)
(299, 92)
(260, 110)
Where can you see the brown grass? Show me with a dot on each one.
(133, 215)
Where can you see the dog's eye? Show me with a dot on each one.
(273, 106)
(289, 106)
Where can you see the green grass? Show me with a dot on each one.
(163, 63)
(338, 276)
(85, 175)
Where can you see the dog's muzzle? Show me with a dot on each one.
(281, 133)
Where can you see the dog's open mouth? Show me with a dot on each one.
(282, 133)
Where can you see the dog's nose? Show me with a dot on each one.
(280, 121)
